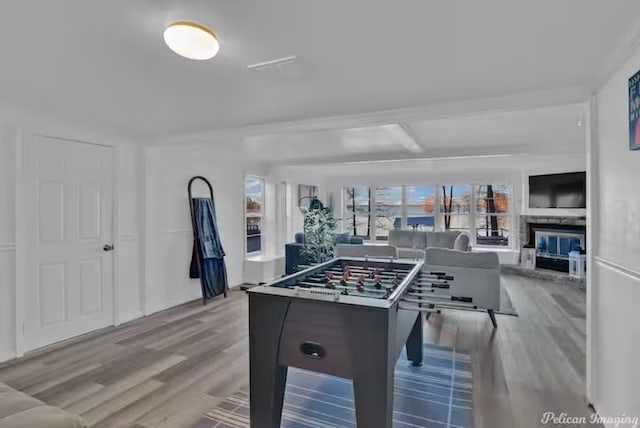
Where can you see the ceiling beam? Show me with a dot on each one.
(513, 102)
(403, 135)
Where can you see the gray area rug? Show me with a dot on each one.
(438, 395)
(506, 305)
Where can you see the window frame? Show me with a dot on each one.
(438, 215)
(261, 215)
(348, 213)
(508, 215)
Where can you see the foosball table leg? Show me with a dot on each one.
(414, 343)
(268, 379)
(372, 356)
(492, 315)
(374, 396)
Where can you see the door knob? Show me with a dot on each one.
(108, 247)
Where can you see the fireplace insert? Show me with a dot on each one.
(553, 242)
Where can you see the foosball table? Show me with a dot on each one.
(349, 317)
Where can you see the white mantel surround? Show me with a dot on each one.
(557, 220)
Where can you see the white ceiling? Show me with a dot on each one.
(103, 64)
(545, 130)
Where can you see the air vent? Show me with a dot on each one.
(273, 63)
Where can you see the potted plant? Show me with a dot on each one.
(319, 232)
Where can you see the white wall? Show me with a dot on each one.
(130, 168)
(7, 241)
(169, 237)
(614, 279)
(294, 176)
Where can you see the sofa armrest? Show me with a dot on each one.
(293, 257)
(462, 243)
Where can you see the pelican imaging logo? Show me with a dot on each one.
(566, 420)
(634, 112)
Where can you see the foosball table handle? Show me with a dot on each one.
(313, 350)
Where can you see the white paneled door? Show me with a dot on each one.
(68, 202)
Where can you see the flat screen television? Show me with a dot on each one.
(568, 190)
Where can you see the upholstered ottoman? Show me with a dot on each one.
(18, 410)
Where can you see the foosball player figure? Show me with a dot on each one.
(344, 292)
(377, 282)
(328, 280)
(360, 284)
(345, 276)
(346, 270)
(394, 283)
(388, 292)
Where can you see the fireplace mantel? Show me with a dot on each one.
(527, 219)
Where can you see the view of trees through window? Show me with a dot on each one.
(492, 214)
(455, 203)
(388, 210)
(357, 221)
(414, 207)
(254, 192)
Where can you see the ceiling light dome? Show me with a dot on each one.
(191, 40)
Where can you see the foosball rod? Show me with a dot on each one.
(321, 282)
(425, 310)
(441, 301)
(342, 287)
(357, 271)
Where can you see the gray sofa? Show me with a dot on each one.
(18, 410)
(373, 251)
(412, 244)
(475, 276)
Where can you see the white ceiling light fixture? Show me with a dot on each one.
(191, 40)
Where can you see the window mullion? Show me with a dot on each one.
(436, 210)
(472, 216)
(372, 215)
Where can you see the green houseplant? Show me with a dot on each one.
(319, 233)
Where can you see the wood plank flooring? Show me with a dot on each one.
(169, 369)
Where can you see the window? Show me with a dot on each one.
(254, 195)
(357, 203)
(483, 211)
(492, 214)
(455, 204)
(388, 211)
(421, 205)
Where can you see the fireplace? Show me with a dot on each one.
(553, 238)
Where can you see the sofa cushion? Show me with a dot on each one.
(408, 239)
(445, 239)
(350, 250)
(12, 401)
(342, 238)
(411, 253)
(18, 410)
(447, 257)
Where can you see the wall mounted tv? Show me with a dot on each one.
(568, 190)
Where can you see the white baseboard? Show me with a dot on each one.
(172, 304)
(130, 317)
(7, 357)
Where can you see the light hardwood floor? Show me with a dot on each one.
(169, 369)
